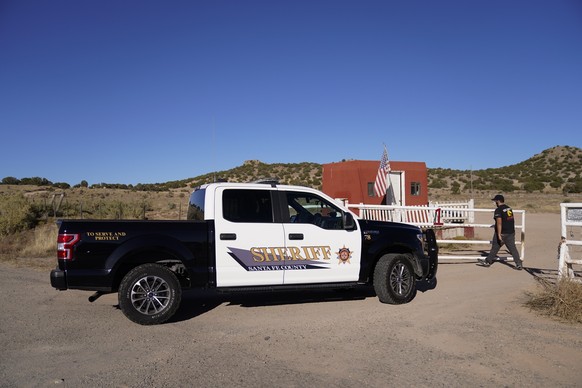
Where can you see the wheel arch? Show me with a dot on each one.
(162, 250)
(396, 249)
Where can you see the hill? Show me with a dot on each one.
(555, 170)
(28, 207)
(303, 174)
(539, 183)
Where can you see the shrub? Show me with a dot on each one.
(562, 300)
(438, 184)
(16, 214)
(533, 185)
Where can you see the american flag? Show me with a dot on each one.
(383, 170)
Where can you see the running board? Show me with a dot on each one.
(289, 287)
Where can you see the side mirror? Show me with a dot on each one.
(349, 222)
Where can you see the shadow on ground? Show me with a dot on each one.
(197, 302)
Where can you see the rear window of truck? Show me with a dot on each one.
(247, 206)
(196, 205)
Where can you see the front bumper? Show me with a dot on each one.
(432, 252)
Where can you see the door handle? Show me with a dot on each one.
(295, 236)
(228, 236)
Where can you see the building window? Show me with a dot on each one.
(415, 188)
(371, 189)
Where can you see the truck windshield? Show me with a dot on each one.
(196, 205)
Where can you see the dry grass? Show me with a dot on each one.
(561, 300)
(31, 249)
(42, 242)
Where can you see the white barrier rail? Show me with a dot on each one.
(571, 219)
(479, 222)
(450, 213)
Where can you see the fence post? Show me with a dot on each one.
(564, 270)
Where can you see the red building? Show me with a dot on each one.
(354, 180)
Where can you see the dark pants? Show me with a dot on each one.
(509, 242)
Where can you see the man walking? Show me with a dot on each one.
(504, 234)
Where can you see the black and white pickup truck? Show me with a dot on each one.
(242, 237)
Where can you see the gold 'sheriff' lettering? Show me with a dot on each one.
(261, 254)
(270, 254)
(106, 236)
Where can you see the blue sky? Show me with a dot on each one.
(152, 91)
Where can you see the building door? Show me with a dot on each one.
(395, 194)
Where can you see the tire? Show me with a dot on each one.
(394, 279)
(149, 294)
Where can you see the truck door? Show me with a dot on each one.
(319, 249)
(249, 245)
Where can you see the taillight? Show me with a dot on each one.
(65, 244)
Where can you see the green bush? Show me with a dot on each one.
(438, 184)
(16, 214)
(533, 185)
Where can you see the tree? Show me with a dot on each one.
(36, 181)
(573, 186)
(62, 185)
(10, 180)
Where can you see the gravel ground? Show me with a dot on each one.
(472, 330)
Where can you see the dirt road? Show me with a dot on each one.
(472, 330)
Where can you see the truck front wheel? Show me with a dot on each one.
(149, 294)
(394, 280)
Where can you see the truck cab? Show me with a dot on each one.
(267, 235)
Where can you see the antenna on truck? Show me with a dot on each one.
(214, 148)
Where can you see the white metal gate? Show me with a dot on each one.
(571, 218)
(444, 219)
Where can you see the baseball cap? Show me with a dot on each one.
(498, 197)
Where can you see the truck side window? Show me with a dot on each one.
(247, 205)
(311, 209)
(196, 205)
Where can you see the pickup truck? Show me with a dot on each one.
(245, 237)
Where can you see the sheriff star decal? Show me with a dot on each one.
(344, 255)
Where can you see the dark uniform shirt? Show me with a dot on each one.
(507, 221)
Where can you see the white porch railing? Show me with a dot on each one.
(571, 219)
(478, 223)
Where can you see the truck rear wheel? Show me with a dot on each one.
(149, 294)
(394, 279)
